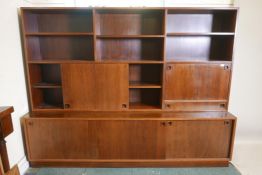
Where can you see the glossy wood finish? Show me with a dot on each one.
(197, 105)
(111, 86)
(60, 47)
(46, 20)
(198, 139)
(141, 35)
(129, 87)
(200, 21)
(212, 48)
(129, 22)
(105, 86)
(6, 128)
(75, 76)
(197, 81)
(129, 49)
(129, 139)
(95, 139)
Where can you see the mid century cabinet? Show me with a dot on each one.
(129, 87)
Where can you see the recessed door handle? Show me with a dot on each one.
(169, 67)
(226, 67)
(163, 123)
(67, 106)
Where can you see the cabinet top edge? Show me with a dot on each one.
(132, 8)
(6, 110)
(135, 115)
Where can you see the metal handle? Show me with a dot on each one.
(170, 123)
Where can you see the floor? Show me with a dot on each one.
(248, 158)
(231, 170)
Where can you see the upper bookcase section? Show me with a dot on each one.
(129, 22)
(201, 21)
(58, 21)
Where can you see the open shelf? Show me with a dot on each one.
(200, 21)
(60, 47)
(59, 34)
(145, 75)
(201, 34)
(45, 75)
(48, 20)
(130, 49)
(46, 85)
(138, 84)
(199, 48)
(129, 22)
(130, 36)
(47, 98)
(144, 99)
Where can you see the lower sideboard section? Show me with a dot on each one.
(121, 142)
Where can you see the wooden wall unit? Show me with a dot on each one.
(129, 86)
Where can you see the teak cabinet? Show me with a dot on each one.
(129, 87)
(105, 86)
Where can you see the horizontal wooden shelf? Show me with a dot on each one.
(143, 85)
(59, 34)
(57, 61)
(185, 101)
(142, 106)
(132, 62)
(46, 85)
(202, 34)
(130, 36)
(199, 62)
(49, 106)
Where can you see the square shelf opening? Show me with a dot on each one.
(45, 75)
(47, 98)
(129, 22)
(48, 20)
(145, 75)
(201, 21)
(135, 49)
(60, 48)
(199, 48)
(145, 99)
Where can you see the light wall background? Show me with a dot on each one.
(246, 91)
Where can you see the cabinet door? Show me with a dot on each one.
(198, 139)
(79, 89)
(93, 139)
(111, 86)
(197, 81)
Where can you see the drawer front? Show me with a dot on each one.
(195, 106)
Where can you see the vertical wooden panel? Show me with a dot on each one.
(94, 139)
(79, 86)
(111, 86)
(197, 81)
(198, 139)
